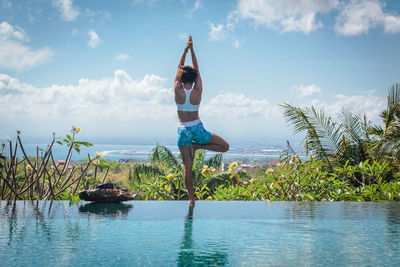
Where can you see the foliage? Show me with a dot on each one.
(41, 177)
(352, 140)
(311, 181)
(163, 178)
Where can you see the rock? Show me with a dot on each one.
(106, 193)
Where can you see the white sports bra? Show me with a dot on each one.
(187, 106)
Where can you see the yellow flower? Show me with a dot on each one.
(29, 167)
(205, 169)
(97, 153)
(212, 169)
(233, 166)
(252, 181)
(269, 170)
(170, 176)
(168, 188)
(91, 158)
(17, 169)
(101, 155)
(79, 129)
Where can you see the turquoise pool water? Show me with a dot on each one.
(164, 233)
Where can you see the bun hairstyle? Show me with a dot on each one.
(189, 74)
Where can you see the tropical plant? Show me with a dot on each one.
(387, 139)
(163, 177)
(327, 140)
(40, 177)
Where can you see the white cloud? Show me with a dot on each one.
(368, 104)
(222, 32)
(69, 12)
(197, 5)
(359, 16)
(117, 97)
(122, 57)
(8, 32)
(284, 15)
(15, 55)
(217, 32)
(231, 105)
(94, 39)
(306, 90)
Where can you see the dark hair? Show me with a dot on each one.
(189, 74)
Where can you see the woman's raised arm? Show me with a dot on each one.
(177, 81)
(197, 83)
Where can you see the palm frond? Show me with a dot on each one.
(300, 120)
(394, 94)
(199, 161)
(163, 156)
(355, 132)
(393, 106)
(215, 161)
(141, 170)
(376, 130)
(353, 125)
(329, 132)
(288, 154)
(389, 145)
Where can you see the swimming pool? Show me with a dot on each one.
(164, 233)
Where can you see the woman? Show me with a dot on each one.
(191, 133)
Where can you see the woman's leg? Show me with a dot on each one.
(216, 143)
(187, 159)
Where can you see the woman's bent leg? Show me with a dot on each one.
(187, 160)
(216, 143)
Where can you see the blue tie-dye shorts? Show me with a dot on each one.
(195, 133)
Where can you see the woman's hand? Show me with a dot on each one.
(189, 44)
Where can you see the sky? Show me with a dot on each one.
(108, 66)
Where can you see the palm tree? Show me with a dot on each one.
(327, 140)
(353, 139)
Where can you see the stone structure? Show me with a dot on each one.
(107, 193)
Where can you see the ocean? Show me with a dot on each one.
(122, 149)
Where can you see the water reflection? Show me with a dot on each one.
(108, 210)
(190, 256)
(14, 210)
(393, 224)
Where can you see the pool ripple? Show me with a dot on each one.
(162, 233)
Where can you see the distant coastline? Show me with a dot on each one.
(253, 152)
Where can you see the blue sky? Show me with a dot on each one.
(109, 66)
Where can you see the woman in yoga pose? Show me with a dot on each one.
(191, 133)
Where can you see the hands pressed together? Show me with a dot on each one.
(189, 44)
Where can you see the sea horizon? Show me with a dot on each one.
(115, 149)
